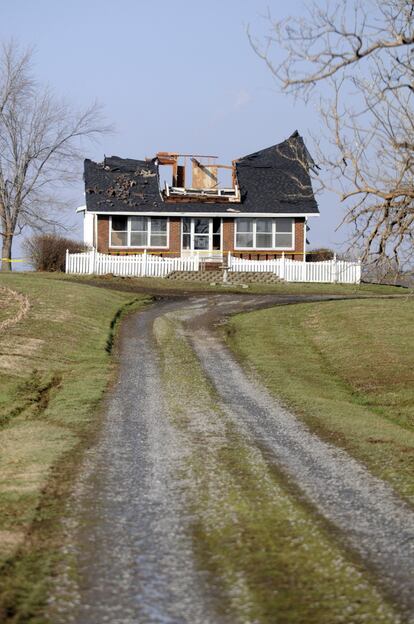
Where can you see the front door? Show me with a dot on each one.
(201, 235)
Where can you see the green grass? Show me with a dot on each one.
(347, 368)
(250, 532)
(269, 556)
(54, 368)
(283, 288)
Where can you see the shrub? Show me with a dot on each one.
(47, 252)
(319, 255)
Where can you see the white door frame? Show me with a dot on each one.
(204, 253)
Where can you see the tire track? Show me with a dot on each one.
(374, 521)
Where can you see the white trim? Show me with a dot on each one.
(95, 218)
(230, 215)
(269, 249)
(128, 245)
(88, 229)
(304, 237)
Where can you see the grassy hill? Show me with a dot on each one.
(55, 363)
(347, 367)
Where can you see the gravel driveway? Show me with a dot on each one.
(127, 525)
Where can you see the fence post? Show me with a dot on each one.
(334, 277)
(67, 261)
(91, 261)
(144, 264)
(229, 260)
(358, 272)
(283, 267)
(304, 276)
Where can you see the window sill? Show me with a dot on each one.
(137, 247)
(268, 249)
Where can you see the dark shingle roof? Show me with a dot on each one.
(276, 179)
(122, 184)
(272, 180)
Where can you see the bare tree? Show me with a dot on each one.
(40, 147)
(356, 58)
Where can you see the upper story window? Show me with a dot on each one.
(265, 233)
(138, 231)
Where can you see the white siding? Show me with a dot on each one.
(88, 228)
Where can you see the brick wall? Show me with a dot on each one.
(299, 238)
(228, 234)
(103, 233)
(175, 237)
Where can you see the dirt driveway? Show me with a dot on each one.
(130, 523)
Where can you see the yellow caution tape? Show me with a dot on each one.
(211, 253)
(14, 260)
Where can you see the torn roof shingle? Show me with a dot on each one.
(272, 180)
(122, 184)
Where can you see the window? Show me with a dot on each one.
(119, 232)
(264, 233)
(244, 232)
(201, 233)
(186, 233)
(158, 236)
(284, 233)
(217, 234)
(138, 232)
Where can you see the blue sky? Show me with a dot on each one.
(170, 75)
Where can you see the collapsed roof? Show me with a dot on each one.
(273, 180)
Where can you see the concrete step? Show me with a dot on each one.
(218, 276)
(211, 266)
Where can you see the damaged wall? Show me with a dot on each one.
(203, 176)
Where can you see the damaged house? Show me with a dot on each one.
(180, 204)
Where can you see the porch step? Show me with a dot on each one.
(211, 266)
(216, 276)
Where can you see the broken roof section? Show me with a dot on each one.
(196, 176)
(272, 180)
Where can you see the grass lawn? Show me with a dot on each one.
(55, 364)
(166, 286)
(347, 368)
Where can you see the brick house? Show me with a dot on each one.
(259, 212)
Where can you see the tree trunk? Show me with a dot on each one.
(6, 250)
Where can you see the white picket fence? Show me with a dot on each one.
(330, 271)
(139, 265)
(148, 265)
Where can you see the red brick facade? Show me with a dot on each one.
(174, 248)
(227, 233)
(103, 233)
(175, 237)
